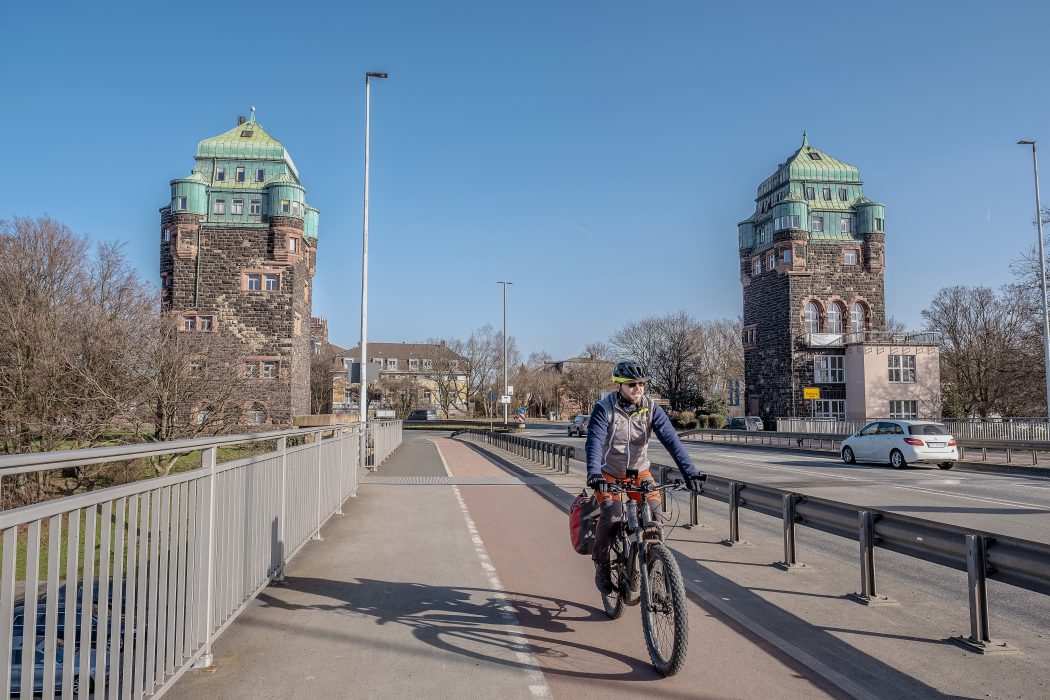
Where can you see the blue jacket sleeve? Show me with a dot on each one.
(597, 431)
(669, 439)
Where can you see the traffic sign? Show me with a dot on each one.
(810, 392)
(510, 391)
(521, 410)
(504, 399)
(492, 396)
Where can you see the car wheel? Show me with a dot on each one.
(847, 456)
(897, 460)
(946, 465)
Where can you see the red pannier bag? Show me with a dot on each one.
(583, 519)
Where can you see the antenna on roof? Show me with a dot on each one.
(805, 137)
(252, 118)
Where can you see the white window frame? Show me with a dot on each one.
(269, 369)
(830, 408)
(391, 363)
(189, 323)
(220, 174)
(255, 278)
(413, 365)
(907, 409)
(842, 194)
(836, 320)
(237, 206)
(771, 260)
(293, 244)
(829, 369)
(167, 235)
(251, 370)
(239, 174)
(825, 193)
(428, 364)
(811, 317)
(816, 223)
(858, 318)
(271, 282)
(845, 225)
(850, 256)
(902, 369)
(218, 207)
(811, 194)
(878, 224)
(260, 174)
(756, 267)
(255, 207)
(182, 204)
(205, 323)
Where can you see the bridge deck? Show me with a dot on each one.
(464, 586)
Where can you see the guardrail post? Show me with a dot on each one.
(208, 458)
(980, 639)
(790, 563)
(866, 535)
(317, 447)
(734, 517)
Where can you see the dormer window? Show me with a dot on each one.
(260, 175)
(240, 174)
(220, 175)
(827, 194)
(842, 194)
(391, 363)
(815, 156)
(811, 193)
(413, 365)
(247, 134)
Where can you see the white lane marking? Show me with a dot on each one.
(843, 477)
(523, 651)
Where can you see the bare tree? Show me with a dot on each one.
(986, 362)
(401, 392)
(587, 378)
(670, 348)
(322, 380)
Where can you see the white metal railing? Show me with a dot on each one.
(1018, 429)
(125, 588)
(823, 426)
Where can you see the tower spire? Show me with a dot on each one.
(252, 118)
(805, 137)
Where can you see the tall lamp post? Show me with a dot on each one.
(362, 401)
(506, 406)
(1042, 271)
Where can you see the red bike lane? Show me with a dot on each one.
(582, 653)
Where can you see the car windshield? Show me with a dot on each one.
(927, 429)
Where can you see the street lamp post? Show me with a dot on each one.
(362, 401)
(506, 406)
(1042, 271)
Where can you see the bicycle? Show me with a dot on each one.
(657, 585)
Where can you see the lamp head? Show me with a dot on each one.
(375, 75)
(1022, 142)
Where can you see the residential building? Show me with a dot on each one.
(411, 376)
(812, 263)
(238, 246)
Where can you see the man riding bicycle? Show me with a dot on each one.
(617, 452)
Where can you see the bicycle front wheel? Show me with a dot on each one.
(665, 619)
(614, 602)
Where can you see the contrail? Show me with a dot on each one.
(580, 228)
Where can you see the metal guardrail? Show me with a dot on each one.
(1018, 429)
(125, 588)
(981, 554)
(832, 443)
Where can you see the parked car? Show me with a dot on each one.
(422, 414)
(901, 442)
(578, 425)
(745, 423)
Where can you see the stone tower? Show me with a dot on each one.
(238, 253)
(811, 264)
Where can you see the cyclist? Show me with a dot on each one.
(617, 443)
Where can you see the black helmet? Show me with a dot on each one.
(629, 372)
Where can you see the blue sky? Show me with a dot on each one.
(598, 154)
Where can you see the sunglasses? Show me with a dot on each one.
(632, 385)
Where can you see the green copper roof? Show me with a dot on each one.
(812, 166)
(249, 141)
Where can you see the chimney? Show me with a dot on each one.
(241, 119)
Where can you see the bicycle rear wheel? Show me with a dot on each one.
(665, 619)
(614, 603)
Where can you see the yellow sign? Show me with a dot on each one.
(810, 392)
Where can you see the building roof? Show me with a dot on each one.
(812, 165)
(402, 351)
(248, 141)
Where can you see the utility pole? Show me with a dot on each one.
(506, 406)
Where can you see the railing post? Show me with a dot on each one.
(208, 463)
(790, 563)
(317, 461)
(980, 639)
(694, 509)
(734, 517)
(868, 594)
(282, 450)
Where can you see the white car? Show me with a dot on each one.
(901, 442)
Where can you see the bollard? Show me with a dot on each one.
(694, 509)
(790, 563)
(980, 639)
(734, 518)
(868, 594)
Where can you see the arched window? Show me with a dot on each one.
(836, 314)
(812, 317)
(257, 414)
(857, 318)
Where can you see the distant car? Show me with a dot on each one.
(745, 423)
(578, 425)
(901, 442)
(422, 414)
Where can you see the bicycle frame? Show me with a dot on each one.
(638, 529)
